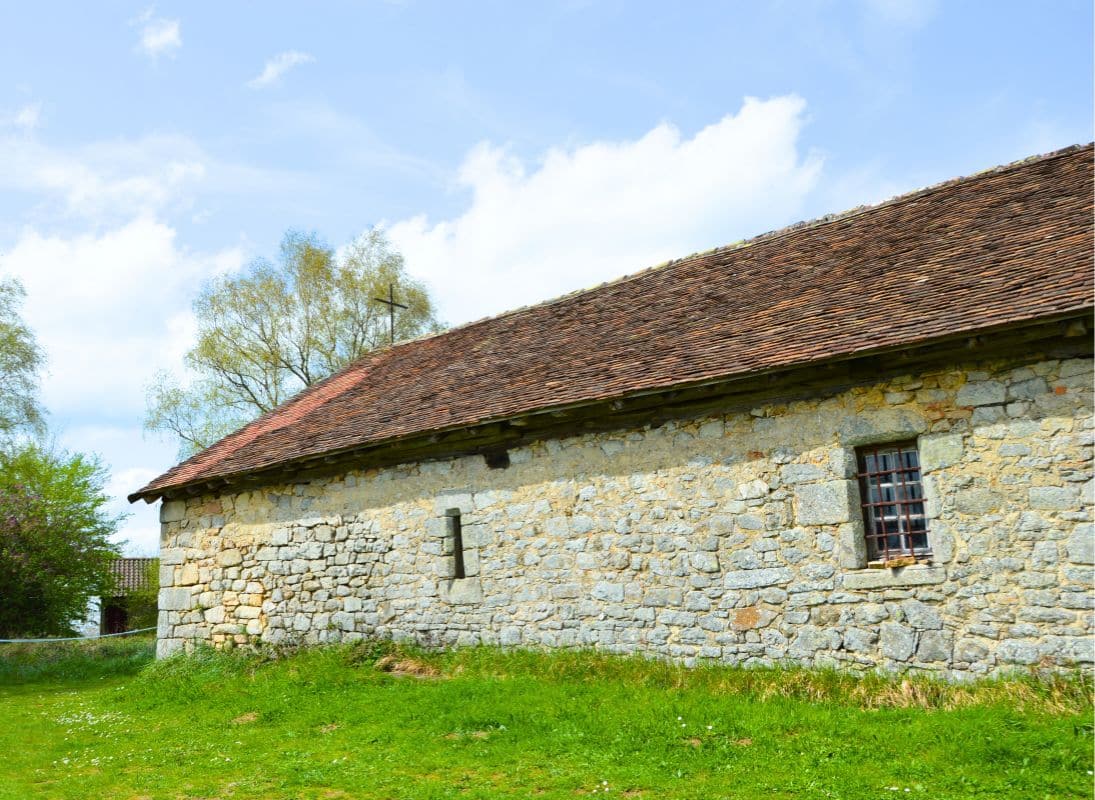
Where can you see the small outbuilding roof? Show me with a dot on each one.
(1004, 247)
(131, 574)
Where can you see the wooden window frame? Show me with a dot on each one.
(903, 482)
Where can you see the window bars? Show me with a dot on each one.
(893, 501)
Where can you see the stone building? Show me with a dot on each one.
(864, 440)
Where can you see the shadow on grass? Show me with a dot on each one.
(74, 662)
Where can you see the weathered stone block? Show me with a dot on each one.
(704, 561)
(215, 615)
(608, 592)
(977, 501)
(172, 511)
(851, 545)
(941, 541)
(175, 599)
(881, 425)
(800, 473)
(1081, 544)
(165, 648)
(810, 639)
(981, 393)
(1016, 651)
(940, 451)
(171, 556)
(188, 575)
(756, 578)
(934, 646)
(229, 558)
(860, 640)
(829, 503)
(921, 616)
(462, 591)
(753, 490)
(1028, 389)
(750, 618)
(892, 578)
(453, 501)
(1054, 498)
(896, 641)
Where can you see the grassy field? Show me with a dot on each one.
(375, 721)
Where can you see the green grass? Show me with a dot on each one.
(376, 721)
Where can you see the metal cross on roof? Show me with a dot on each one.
(391, 304)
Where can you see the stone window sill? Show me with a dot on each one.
(913, 575)
(923, 559)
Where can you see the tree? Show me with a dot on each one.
(142, 603)
(20, 360)
(55, 551)
(267, 333)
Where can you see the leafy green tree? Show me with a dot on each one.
(20, 360)
(142, 603)
(267, 333)
(55, 550)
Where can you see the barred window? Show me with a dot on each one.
(893, 501)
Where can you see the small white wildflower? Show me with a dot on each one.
(679, 719)
(708, 727)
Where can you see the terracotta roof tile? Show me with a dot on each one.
(130, 573)
(1009, 245)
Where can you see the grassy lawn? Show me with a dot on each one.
(375, 721)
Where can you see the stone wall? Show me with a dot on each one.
(736, 538)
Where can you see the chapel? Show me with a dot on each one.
(863, 441)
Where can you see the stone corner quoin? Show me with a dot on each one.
(736, 537)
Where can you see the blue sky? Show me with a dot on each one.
(513, 151)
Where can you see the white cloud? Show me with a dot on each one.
(597, 211)
(110, 309)
(159, 36)
(278, 66)
(110, 182)
(99, 180)
(28, 117)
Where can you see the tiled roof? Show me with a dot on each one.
(131, 573)
(1002, 247)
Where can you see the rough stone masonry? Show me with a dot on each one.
(735, 537)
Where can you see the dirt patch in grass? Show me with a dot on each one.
(406, 666)
(244, 719)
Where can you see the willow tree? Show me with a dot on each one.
(280, 326)
(20, 361)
